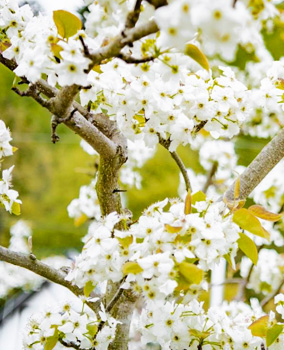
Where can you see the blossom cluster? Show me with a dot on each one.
(156, 246)
(8, 197)
(179, 326)
(70, 323)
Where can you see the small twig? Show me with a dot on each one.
(179, 162)
(245, 281)
(271, 296)
(228, 281)
(133, 60)
(210, 176)
(55, 121)
(85, 47)
(117, 190)
(133, 16)
(69, 344)
(199, 126)
(113, 301)
(234, 3)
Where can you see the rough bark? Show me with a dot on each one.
(265, 161)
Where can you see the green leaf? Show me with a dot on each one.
(187, 204)
(273, 333)
(264, 214)
(259, 327)
(131, 267)
(191, 272)
(198, 197)
(16, 208)
(248, 247)
(51, 341)
(66, 23)
(197, 55)
(229, 260)
(247, 221)
(89, 287)
(92, 329)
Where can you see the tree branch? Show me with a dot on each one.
(133, 16)
(271, 296)
(61, 104)
(179, 162)
(31, 263)
(133, 60)
(265, 161)
(126, 38)
(210, 176)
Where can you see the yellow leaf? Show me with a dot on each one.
(126, 241)
(4, 45)
(197, 55)
(16, 208)
(198, 197)
(66, 23)
(247, 221)
(80, 220)
(131, 267)
(248, 246)
(97, 69)
(172, 229)
(88, 288)
(56, 49)
(262, 213)
(191, 272)
(187, 204)
(259, 327)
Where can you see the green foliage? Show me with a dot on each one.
(248, 247)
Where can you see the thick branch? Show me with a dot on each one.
(30, 263)
(266, 160)
(60, 103)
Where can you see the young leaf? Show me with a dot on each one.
(51, 342)
(262, 213)
(131, 267)
(248, 247)
(191, 272)
(88, 288)
(259, 327)
(273, 333)
(172, 229)
(67, 24)
(247, 221)
(197, 55)
(92, 329)
(198, 197)
(80, 220)
(187, 204)
(16, 208)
